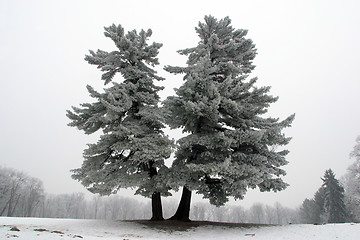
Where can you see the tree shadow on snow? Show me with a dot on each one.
(173, 225)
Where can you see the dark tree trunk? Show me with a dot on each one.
(183, 211)
(157, 213)
(156, 206)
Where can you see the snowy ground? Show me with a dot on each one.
(44, 228)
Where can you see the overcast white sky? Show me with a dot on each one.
(308, 51)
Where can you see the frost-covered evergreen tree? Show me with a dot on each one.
(320, 211)
(230, 146)
(352, 184)
(132, 147)
(313, 210)
(334, 198)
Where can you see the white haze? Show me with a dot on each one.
(308, 51)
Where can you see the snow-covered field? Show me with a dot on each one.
(45, 228)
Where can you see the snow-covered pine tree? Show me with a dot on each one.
(352, 184)
(231, 146)
(313, 210)
(334, 198)
(319, 211)
(132, 147)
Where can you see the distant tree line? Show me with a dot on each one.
(20, 194)
(257, 213)
(23, 196)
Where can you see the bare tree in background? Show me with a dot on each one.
(351, 181)
(257, 213)
(20, 194)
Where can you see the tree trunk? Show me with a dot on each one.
(183, 211)
(4, 209)
(157, 213)
(11, 209)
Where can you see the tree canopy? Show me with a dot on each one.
(132, 146)
(231, 146)
(328, 204)
(334, 198)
